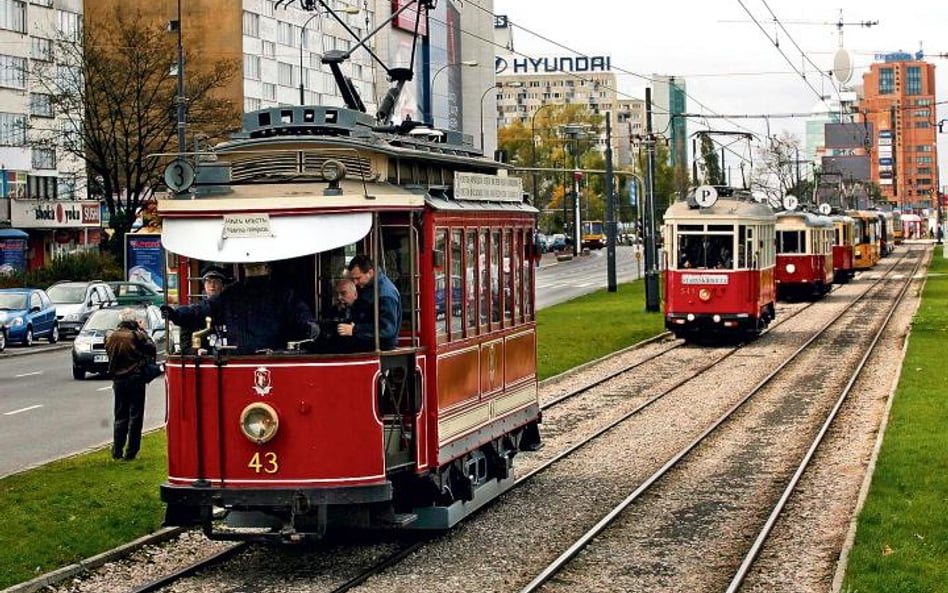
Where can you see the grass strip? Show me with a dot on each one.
(901, 543)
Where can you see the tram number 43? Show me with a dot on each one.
(265, 462)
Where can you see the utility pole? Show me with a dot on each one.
(610, 212)
(651, 253)
(182, 139)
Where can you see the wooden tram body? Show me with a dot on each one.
(804, 254)
(415, 437)
(843, 237)
(720, 267)
(866, 239)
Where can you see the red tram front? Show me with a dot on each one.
(291, 443)
(844, 267)
(804, 254)
(719, 276)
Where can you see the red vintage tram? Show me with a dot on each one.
(843, 266)
(294, 443)
(719, 276)
(804, 254)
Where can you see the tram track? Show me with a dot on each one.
(600, 531)
(386, 561)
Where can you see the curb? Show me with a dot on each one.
(10, 352)
(57, 576)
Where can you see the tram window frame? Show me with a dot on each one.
(507, 275)
(527, 265)
(470, 278)
(438, 277)
(791, 241)
(455, 267)
(483, 281)
(496, 280)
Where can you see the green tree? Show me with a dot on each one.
(112, 83)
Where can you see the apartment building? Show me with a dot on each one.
(42, 190)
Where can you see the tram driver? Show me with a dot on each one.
(251, 315)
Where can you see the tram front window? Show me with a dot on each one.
(709, 252)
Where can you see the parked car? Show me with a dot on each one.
(88, 349)
(542, 243)
(129, 293)
(27, 314)
(75, 301)
(558, 243)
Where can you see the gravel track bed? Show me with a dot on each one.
(689, 533)
(502, 547)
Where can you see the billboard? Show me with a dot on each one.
(848, 135)
(145, 260)
(850, 168)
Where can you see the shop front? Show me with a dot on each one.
(56, 228)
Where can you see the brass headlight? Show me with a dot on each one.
(704, 294)
(259, 422)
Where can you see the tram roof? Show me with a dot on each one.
(723, 210)
(800, 217)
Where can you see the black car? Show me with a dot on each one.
(88, 350)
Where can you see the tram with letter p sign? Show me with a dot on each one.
(720, 263)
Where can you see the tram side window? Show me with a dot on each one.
(527, 278)
(397, 266)
(441, 296)
(495, 276)
(749, 252)
(483, 272)
(470, 283)
(508, 267)
(455, 284)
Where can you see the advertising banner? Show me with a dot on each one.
(46, 214)
(12, 255)
(145, 260)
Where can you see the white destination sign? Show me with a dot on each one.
(490, 188)
(704, 279)
(247, 225)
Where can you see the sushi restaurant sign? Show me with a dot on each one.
(46, 214)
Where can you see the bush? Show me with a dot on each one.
(79, 266)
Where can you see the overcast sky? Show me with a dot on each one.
(734, 67)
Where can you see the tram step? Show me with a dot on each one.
(403, 519)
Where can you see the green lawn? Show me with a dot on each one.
(902, 535)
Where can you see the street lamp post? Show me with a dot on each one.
(493, 87)
(344, 10)
(469, 63)
(533, 146)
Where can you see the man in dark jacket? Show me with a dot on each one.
(362, 271)
(251, 315)
(130, 349)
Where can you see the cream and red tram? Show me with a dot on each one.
(804, 254)
(843, 237)
(290, 443)
(719, 269)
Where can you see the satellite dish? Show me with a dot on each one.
(790, 202)
(842, 66)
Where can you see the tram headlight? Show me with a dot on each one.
(791, 268)
(333, 170)
(704, 294)
(259, 422)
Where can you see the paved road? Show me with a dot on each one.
(45, 414)
(559, 281)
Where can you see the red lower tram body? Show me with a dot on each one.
(711, 302)
(804, 275)
(843, 267)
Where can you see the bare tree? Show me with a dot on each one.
(775, 172)
(117, 88)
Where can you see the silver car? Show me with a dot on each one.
(88, 349)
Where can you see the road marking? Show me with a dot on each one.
(27, 374)
(104, 388)
(22, 410)
(584, 285)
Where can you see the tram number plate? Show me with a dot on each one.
(101, 358)
(264, 463)
(704, 279)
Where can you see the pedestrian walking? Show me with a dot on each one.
(130, 350)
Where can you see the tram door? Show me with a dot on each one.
(400, 384)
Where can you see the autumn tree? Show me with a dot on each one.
(117, 89)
